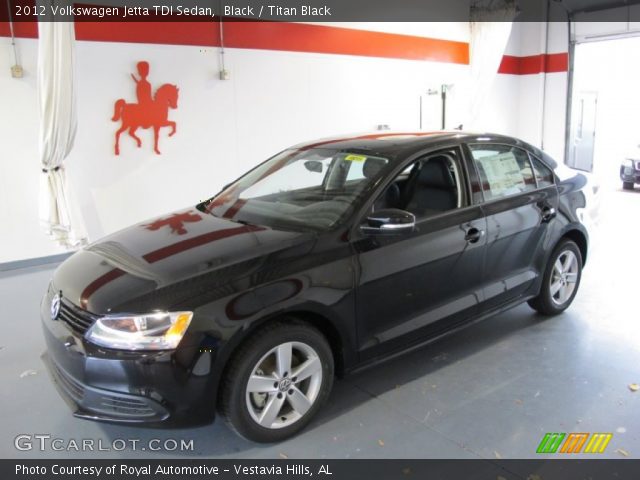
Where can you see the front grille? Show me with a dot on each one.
(126, 406)
(79, 320)
(72, 387)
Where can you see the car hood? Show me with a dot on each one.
(187, 250)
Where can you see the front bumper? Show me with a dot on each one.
(157, 389)
(98, 404)
(627, 174)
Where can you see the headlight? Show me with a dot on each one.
(154, 331)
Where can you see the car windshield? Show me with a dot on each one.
(306, 189)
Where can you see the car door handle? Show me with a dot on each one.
(548, 213)
(473, 235)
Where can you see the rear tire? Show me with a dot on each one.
(277, 381)
(560, 281)
(627, 185)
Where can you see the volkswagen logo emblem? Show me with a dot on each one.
(55, 306)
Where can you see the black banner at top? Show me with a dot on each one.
(317, 10)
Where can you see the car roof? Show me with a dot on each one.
(381, 141)
(401, 144)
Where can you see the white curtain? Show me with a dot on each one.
(490, 30)
(56, 98)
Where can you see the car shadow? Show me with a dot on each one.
(218, 440)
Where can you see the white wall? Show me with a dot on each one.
(515, 105)
(273, 100)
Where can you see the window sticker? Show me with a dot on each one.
(503, 174)
(355, 158)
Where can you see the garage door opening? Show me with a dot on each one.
(605, 108)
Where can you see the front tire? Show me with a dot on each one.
(560, 281)
(277, 381)
(627, 185)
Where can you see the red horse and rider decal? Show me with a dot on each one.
(148, 112)
(175, 222)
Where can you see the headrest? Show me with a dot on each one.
(372, 167)
(435, 173)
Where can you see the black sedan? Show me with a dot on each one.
(326, 258)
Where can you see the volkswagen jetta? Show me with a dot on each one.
(324, 259)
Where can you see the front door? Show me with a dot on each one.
(415, 285)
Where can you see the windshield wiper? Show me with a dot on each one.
(244, 222)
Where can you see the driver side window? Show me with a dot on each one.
(427, 187)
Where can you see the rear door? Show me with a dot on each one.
(520, 199)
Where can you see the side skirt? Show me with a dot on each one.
(437, 336)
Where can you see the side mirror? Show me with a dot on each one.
(313, 166)
(389, 221)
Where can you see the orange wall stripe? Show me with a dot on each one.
(162, 33)
(20, 29)
(533, 64)
(292, 37)
(297, 37)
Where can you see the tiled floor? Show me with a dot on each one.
(490, 391)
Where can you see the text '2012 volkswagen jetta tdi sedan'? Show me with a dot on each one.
(325, 258)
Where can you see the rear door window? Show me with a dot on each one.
(544, 175)
(504, 170)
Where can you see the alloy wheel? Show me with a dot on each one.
(564, 277)
(284, 385)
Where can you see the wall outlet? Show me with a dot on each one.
(16, 71)
(225, 74)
